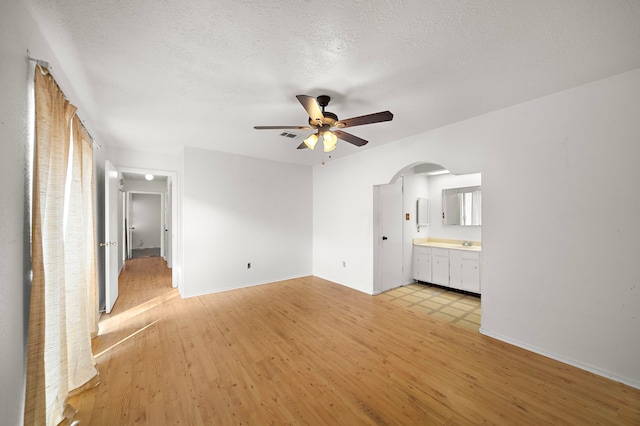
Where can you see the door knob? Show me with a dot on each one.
(384, 238)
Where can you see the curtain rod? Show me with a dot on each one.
(45, 64)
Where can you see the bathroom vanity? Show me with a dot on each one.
(448, 263)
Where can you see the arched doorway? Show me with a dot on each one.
(395, 210)
(421, 184)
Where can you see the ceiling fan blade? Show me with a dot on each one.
(282, 127)
(302, 146)
(310, 104)
(365, 119)
(348, 137)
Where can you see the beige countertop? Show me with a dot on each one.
(449, 244)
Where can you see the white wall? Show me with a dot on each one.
(560, 219)
(238, 210)
(415, 186)
(156, 185)
(146, 210)
(14, 246)
(129, 158)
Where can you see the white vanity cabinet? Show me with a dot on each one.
(440, 266)
(422, 264)
(451, 267)
(464, 270)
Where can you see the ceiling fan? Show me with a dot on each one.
(323, 121)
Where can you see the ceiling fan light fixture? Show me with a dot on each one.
(322, 121)
(329, 140)
(311, 141)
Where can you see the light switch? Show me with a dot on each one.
(406, 216)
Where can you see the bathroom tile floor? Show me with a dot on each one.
(462, 309)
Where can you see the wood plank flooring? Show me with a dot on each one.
(308, 351)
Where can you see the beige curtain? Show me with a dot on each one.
(88, 203)
(59, 342)
(79, 257)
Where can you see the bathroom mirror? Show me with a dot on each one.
(462, 206)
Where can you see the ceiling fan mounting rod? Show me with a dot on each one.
(323, 101)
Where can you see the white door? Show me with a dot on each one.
(128, 220)
(390, 235)
(136, 223)
(110, 235)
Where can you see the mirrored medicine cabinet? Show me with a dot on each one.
(462, 206)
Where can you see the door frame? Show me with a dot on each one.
(163, 225)
(175, 261)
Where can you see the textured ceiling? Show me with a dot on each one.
(157, 75)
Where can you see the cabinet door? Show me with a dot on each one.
(455, 269)
(422, 264)
(471, 272)
(440, 266)
(426, 270)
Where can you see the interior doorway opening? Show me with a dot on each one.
(149, 216)
(145, 227)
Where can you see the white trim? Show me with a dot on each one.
(376, 239)
(563, 359)
(253, 284)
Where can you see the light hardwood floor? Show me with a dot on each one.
(308, 351)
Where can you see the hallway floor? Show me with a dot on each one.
(459, 308)
(145, 252)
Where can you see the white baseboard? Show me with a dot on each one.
(243, 285)
(565, 360)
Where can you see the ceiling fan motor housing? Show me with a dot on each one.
(329, 120)
(323, 100)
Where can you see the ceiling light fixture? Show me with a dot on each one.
(329, 141)
(438, 172)
(148, 177)
(311, 141)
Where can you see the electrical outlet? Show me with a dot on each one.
(249, 265)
